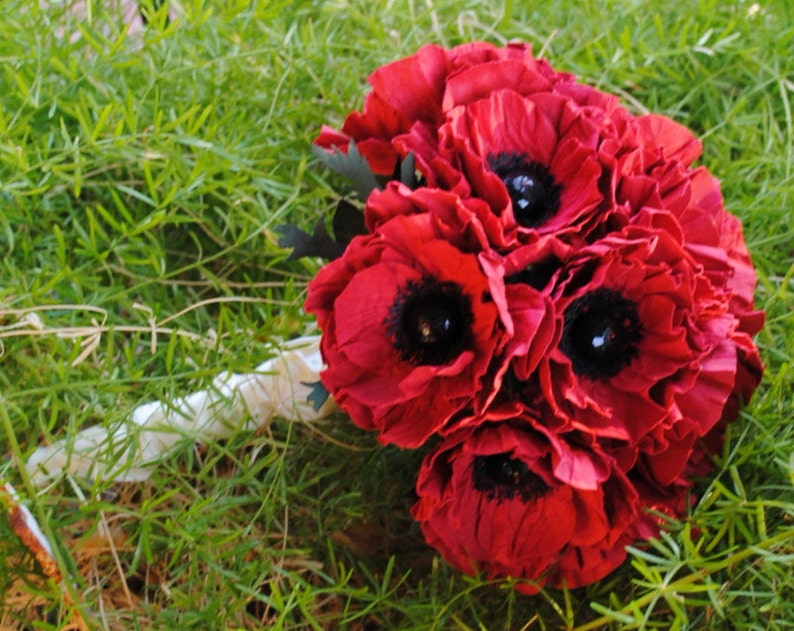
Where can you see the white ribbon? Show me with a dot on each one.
(278, 387)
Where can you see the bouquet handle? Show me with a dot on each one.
(280, 386)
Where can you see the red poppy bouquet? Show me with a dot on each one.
(544, 291)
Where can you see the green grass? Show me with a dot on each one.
(143, 178)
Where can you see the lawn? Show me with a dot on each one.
(143, 175)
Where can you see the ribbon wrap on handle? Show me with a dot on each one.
(280, 386)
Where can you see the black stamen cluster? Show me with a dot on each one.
(601, 334)
(533, 191)
(538, 275)
(430, 322)
(503, 477)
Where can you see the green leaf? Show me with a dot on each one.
(318, 243)
(407, 171)
(348, 222)
(318, 396)
(352, 165)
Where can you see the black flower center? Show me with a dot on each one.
(502, 477)
(430, 322)
(537, 275)
(601, 333)
(532, 188)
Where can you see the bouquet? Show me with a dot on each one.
(543, 291)
(536, 287)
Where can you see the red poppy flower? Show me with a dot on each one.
(500, 125)
(650, 163)
(664, 464)
(527, 313)
(653, 170)
(414, 328)
(646, 342)
(462, 222)
(534, 159)
(414, 93)
(511, 499)
(715, 239)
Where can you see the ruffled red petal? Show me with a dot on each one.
(583, 508)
